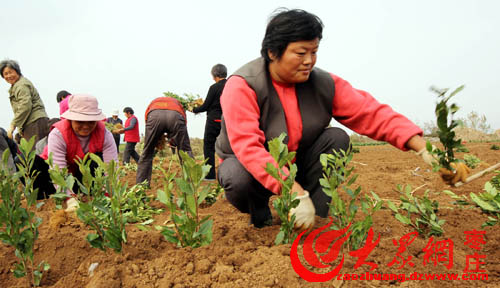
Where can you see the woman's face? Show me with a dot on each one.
(83, 128)
(296, 63)
(10, 75)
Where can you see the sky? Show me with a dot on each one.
(126, 53)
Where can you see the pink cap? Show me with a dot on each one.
(83, 107)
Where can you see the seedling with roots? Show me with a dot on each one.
(187, 229)
(286, 201)
(446, 124)
(336, 178)
(19, 225)
(188, 100)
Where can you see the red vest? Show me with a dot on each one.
(73, 147)
(133, 134)
(165, 103)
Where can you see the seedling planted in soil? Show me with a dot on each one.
(471, 161)
(286, 201)
(336, 178)
(19, 225)
(184, 205)
(489, 202)
(418, 212)
(101, 200)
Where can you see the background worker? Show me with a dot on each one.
(211, 105)
(163, 115)
(30, 117)
(115, 120)
(132, 137)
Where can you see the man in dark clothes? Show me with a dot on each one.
(214, 112)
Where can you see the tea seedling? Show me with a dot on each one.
(187, 229)
(135, 204)
(104, 192)
(495, 181)
(188, 101)
(336, 178)
(19, 225)
(418, 212)
(489, 202)
(471, 161)
(213, 193)
(495, 147)
(446, 124)
(286, 201)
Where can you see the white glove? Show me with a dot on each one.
(71, 205)
(11, 131)
(304, 213)
(427, 156)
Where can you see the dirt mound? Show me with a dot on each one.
(469, 134)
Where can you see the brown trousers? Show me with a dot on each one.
(158, 123)
(39, 128)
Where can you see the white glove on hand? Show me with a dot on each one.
(71, 205)
(428, 157)
(304, 213)
(11, 131)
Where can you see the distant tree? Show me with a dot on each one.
(430, 129)
(476, 122)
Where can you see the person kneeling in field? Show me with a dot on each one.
(280, 92)
(80, 132)
(163, 115)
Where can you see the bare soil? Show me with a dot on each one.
(243, 256)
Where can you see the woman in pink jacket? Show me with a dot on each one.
(280, 92)
(80, 132)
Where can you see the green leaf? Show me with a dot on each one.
(392, 206)
(483, 204)
(403, 219)
(279, 238)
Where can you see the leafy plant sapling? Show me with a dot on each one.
(286, 202)
(418, 212)
(188, 100)
(495, 147)
(102, 210)
(471, 161)
(18, 224)
(445, 124)
(337, 178)
(187, 229)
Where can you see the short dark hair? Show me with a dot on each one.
(128, 110)
(219, 70)
(288, 26)
(61, 95)
(11, 64)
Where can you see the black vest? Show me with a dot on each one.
(315, 99)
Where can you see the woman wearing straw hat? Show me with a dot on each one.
(80, 132)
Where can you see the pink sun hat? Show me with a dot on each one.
(83, 107)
